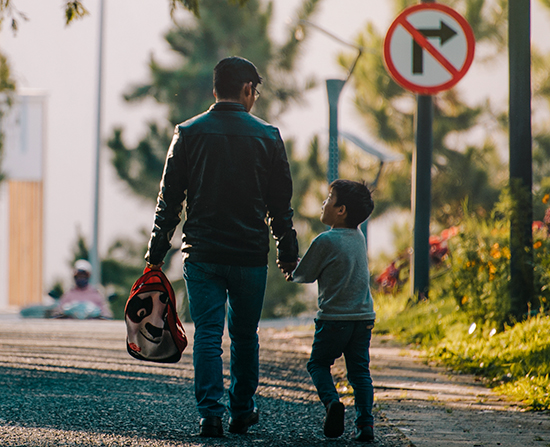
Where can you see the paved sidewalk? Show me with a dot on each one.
(72, 383)
(436, 408)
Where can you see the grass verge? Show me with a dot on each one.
(515, 361)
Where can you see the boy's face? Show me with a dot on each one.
(329, 210)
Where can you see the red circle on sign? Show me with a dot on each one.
(457, 74)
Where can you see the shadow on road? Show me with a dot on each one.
(73, 384)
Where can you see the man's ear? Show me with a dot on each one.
(214, 93)
(248, 89)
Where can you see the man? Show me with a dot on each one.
(233, 170)
(83, 300)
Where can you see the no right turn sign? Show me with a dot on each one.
(428, 48)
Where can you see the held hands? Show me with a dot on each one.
(287, 268)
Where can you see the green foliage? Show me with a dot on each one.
(74, 10)
(191, 5)
(479, 260)
(478, 263)
(141, 168)
(8, 10)
(7, 89)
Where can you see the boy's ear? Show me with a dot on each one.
(342, 210)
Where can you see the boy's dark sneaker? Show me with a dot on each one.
(365, 433)
(211, 427)
(334, 422)
(240, 425)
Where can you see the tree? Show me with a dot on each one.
(7, 89)
(185, 87)
(75, 9)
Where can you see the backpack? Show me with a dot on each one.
(154, 331)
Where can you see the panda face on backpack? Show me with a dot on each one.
(154, 332)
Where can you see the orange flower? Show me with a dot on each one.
(495, 252)
(546, 198)
(492, 270)
(537, 244)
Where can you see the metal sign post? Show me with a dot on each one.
(421, 197)
(428, 48)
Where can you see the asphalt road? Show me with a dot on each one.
(72, 383)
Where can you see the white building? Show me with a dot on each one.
(21, 202)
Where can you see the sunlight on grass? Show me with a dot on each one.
(515, 361)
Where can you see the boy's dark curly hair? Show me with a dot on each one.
(356, 196)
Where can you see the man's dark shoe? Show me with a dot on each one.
(334, 422)
(365, 434)
(211, 427)
(240, 425)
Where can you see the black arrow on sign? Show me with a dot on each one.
(444, 33)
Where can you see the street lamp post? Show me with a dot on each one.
(94, 250)
(383, 157)
(334, 88)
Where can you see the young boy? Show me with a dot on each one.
(337, 260)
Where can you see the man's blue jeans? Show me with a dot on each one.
(210, 287)
(351, 338)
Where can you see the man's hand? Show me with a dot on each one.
(155, 266)
(287, 268)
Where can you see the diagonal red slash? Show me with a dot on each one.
(425, 44)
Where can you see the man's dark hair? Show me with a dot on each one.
(357, 199)
(231, 74)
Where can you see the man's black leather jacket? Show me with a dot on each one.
(232, 168)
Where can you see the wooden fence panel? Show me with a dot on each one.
(25, 243)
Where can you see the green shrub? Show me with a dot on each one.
(479, 276)
(478, 266)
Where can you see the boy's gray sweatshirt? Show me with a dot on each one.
(337, 260)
